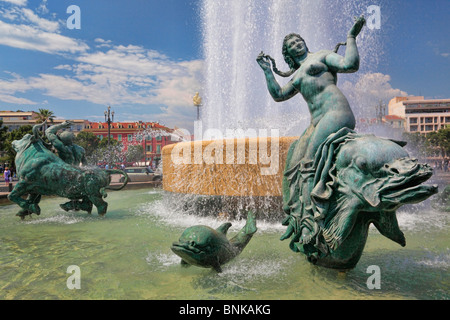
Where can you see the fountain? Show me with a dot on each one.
(335, 183)
(128, 254)
(238, 108)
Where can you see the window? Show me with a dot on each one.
(119, 137)
(100, 137)
(413, 128)
(412, 120)
(428, 120)
(428, 128)
(130, 137)
(149, 148)
(158, 138)
(158, 148)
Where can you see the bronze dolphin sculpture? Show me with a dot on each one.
(358, 180)
(206, 247)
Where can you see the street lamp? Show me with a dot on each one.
(109, 118)
(198, 104)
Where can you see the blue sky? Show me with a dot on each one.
(145, 59)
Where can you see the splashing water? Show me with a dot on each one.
(236, 95)
(126, 255)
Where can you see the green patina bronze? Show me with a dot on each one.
(337, 182)
(42, 172)
(205, 247)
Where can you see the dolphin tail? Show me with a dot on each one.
(244, 236)
(250, 226)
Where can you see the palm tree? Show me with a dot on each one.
(45, 115)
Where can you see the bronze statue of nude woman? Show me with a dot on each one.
(314, 75)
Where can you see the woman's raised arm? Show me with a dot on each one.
(350, 62)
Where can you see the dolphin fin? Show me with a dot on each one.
(250, 226)
(224, 228)
(399, 142)
(184, 264)
(387, 225)
(217, 268)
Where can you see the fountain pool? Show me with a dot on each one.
(126, 255)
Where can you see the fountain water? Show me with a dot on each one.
(235, 32)
(236, 101)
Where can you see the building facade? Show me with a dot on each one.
(150, 135)
(16, 119)
(420, 114)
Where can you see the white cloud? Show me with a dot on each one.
(369, 91)
(30, 38)
(15, 100)
(103, 43)
(43, 7)
(16, 2)
(120, 76)
(43, 24)
(107, 74)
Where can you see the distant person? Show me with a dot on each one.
(445, 164)
(7, 175)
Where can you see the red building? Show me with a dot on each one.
(150, 135)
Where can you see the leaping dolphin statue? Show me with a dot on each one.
(206, 247)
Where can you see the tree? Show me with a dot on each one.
(440, 141)
(45, 115)
(3, 134)
(134, 153)
(417, 142)
(436, 143)
(16, 134)
(88, 141)
(103, 153)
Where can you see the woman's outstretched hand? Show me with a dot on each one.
(356, 29)
(263, 61)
